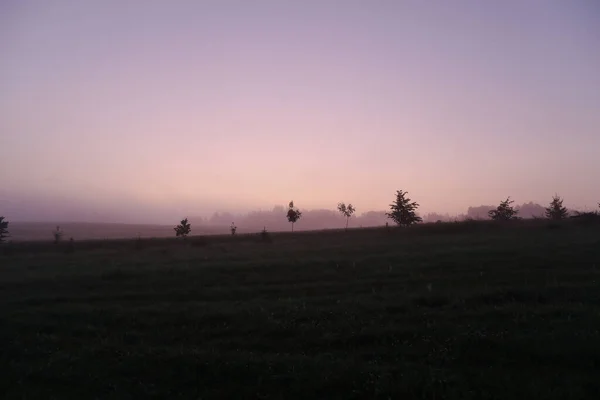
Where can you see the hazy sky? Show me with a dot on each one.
(188, 107)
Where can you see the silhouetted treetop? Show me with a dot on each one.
(556, 210)
(183, 229)
(293, 214)
(504, 212)
(3, 230)
(403, 210)
(346, 211)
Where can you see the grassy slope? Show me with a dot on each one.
(460, 311)
(43, 231)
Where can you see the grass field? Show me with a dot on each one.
(43, 231)
(441, 311)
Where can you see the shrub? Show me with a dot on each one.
(139, 245)
(264, 235)
(183, 229)
(71, 246)
(3, 230)
(586, 217)
(58, 234)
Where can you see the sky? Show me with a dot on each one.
(146, 110)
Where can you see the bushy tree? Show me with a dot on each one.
(233, 229)
(58, 234)
(556, 210)
(183, 229)
(585, 214)
(504, 212)
(293, 214)
(346, 211)
(3, 230)
(403, 210)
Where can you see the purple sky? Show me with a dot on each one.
(159, 109)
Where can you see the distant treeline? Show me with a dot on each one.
(526, 210)
(274, 219)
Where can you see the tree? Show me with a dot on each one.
(504, 212)
(71, 246)
(58, 234)
(556, 210)
(346, 211)
(293, 214)
(264, 234)
(233, 228)
(183, 229)
(3, 229)
(403, 210)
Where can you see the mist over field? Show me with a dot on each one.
(37, 221)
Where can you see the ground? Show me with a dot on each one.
(443, 311)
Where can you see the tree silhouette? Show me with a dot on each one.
(183, 229)
(264, 235)
(58, 234)
(71, 246)
(556, 210)
(233, 229)
(293, 214)
(403, 211)
(346, 211)
(504, 212)
(3, 230)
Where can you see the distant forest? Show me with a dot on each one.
(275, 220)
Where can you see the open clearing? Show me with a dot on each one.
(455, 311)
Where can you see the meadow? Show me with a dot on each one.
(43, 231)
(471, 310)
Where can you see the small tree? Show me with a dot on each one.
(403, 210)
(346, 211)
(556, 210)
(3, 230)
(58, 234)
(293, 214)
(504, 212)
(138, 242)
(183, 229)
(71, 246)
(233, 228)
(264, 235)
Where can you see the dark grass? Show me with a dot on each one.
(458, 311)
